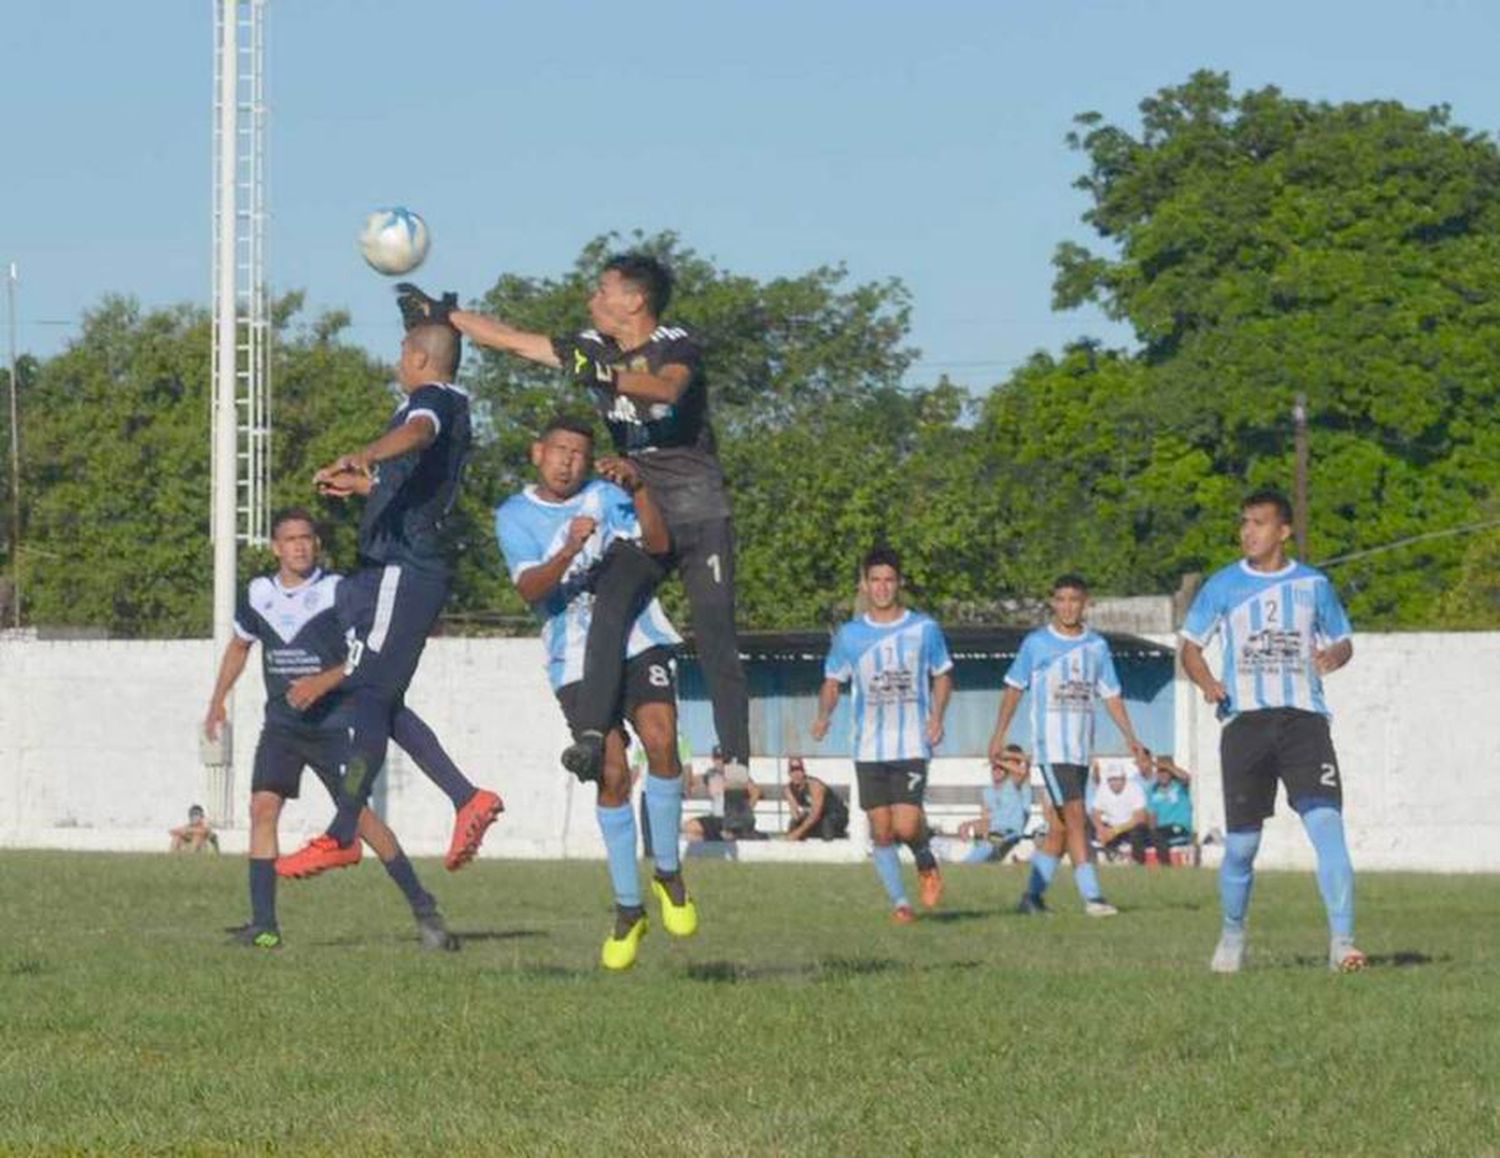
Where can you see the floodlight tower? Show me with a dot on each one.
(241, 425)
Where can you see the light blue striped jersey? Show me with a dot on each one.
(1066, 675)
(1273, 623)
(891, 667)
(532, 530)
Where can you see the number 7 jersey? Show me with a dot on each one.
(1274, 622)
(891, 667)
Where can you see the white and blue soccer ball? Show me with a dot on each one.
(394, 241)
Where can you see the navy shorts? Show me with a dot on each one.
(1256, 749)
(650, 678)
(283, 751)
(1065, 782)
(887, 782)
(389, 612)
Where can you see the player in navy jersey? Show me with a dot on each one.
(555, 535)
(290, 613)
(410, 477)
(1283, 630)
(646, 379)
(897, 661)
(1067, 668)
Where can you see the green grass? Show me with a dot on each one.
(798, 1021)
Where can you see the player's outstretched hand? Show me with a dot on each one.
(419, 308)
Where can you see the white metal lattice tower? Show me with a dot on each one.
(241, 422)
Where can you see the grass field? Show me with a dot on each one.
(798, 1022)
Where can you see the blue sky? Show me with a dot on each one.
(924, 142)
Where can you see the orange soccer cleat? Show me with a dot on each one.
(932, 887)
(469, 826)
(318, 856)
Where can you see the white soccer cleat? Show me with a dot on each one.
(1343, 957)
(1229, 954)
(1100, 908)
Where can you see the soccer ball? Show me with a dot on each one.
(394, 241)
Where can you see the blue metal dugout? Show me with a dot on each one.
(785, 670)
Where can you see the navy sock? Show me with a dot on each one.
(921, 851)
(400, 871)
(263, 892)
(417, 740)
(1043, 869)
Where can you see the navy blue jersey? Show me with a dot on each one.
(405, 514)
(300, 634)
(672, 441)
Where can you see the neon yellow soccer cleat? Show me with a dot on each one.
(678, 919)
(620, 949)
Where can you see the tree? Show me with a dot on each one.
(1266, 246)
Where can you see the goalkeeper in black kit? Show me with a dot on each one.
(647, 381)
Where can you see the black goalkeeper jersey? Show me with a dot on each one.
(672, 442)
(300, 634)
(405, 516)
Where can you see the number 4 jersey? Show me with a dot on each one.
(1274, 623)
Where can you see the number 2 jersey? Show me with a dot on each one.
(1066, 676)
(532, 530)
(1273, 623)
(300, 634)
(671, 441)
(890, 667)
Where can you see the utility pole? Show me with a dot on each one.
(1299, 501)
(15, 456)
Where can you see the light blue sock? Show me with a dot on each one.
(618, 826)
(1043, 869)
(1086, 877)
(888, 869)
(1325, 828)
(1236, 875)
(664, 814)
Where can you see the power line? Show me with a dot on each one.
(1467, 529)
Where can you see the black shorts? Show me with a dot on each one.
(891, 782)
(650, 678)
(1259, 748)
(1065, 782)
(282, 752)
(389, 611)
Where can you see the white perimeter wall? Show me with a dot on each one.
(99, 750)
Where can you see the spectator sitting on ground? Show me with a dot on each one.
(1006, 808)
(196, 835)
(731, 809)
(1170, 803)
(1119, 812)
(817, 810)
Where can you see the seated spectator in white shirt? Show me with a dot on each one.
(1119, 812)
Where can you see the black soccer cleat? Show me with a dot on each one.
(584, 757)
(1031, 905)
(433, 932)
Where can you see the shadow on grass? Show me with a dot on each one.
(953, 916)
(463, 937)
(823, 970)
(1400, 959)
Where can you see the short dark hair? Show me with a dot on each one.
(1071, 580)
(572, 423)
(292, 515)
(650, 276)
(881, 556)
(1270, 497)
(1016, 748)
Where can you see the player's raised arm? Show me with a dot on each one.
(494, 334)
